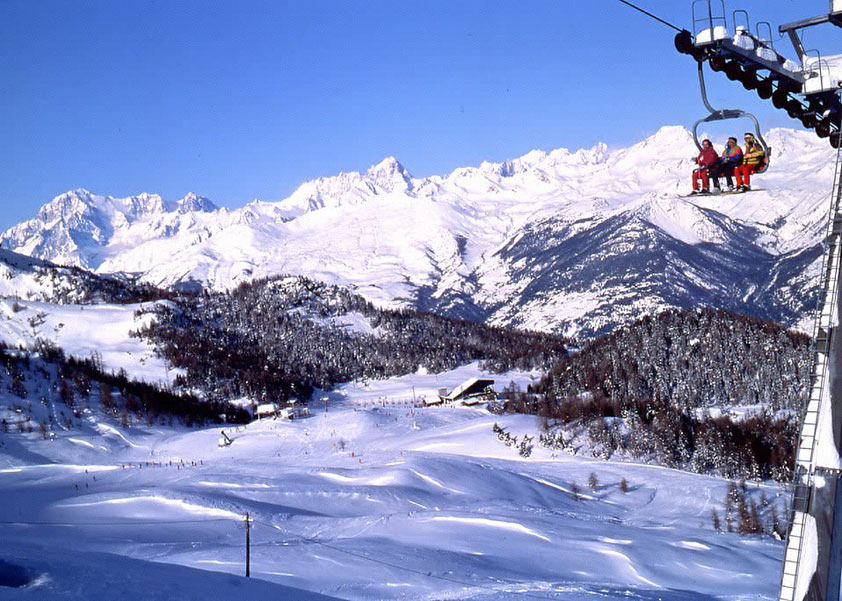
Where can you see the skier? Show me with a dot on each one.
(707, 158)
(732, 157)
(753, 157)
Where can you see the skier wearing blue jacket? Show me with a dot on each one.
(732, 156)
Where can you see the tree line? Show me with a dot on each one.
(43, 376)
(656, 389)
(280, 338)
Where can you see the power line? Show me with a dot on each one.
(650, 15)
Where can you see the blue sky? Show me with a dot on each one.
(244, 100)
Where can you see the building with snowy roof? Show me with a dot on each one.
(267, 410)
(471, 392)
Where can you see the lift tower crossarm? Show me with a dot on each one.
(791, 29)
(835, 18)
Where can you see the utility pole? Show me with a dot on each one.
(248, 547)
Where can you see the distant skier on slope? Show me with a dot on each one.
(753, 159)
(732, 157)
(707, 158)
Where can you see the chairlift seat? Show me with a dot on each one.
(708, 36)
(791, 66)
(767, 54)
(743, 39)
(818, 76)
(816, 84)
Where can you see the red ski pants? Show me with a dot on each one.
(743, 174)
(700, 174)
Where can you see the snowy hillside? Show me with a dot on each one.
(370, 500)
(26, 278)
(82, 313)
(83, 331)
(277, 339)
(566, 241)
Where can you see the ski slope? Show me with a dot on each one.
(83, 331)
(370, 499)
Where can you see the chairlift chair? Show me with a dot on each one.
(710, 27)
(727, 114)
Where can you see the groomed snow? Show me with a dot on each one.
(369, 499)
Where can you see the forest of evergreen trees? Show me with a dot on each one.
(652, 389)
(46, 376)
(645, 390)
(276, 339)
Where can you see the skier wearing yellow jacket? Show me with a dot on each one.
(753, 158)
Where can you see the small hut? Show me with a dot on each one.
(295, 410)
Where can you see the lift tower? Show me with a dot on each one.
(809, 91)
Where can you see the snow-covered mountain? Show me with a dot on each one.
(568, 241)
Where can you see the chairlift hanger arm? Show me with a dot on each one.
(703, 88)
(723, 115)
(718, 114)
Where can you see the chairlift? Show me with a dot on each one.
(807, 90)
(727, 114)
(710, 28)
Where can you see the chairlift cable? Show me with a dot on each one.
(650, 15)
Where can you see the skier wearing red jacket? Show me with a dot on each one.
(707, 158)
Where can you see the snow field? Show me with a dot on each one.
(368, 504)
(85, 330)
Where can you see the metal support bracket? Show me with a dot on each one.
(722, 115)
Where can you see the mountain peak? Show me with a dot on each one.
(533, 157)
(73, 202)
(390, 165)
(670, 137)
(671, 132)
(81, 192)
(195, 203)
(390, 175)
